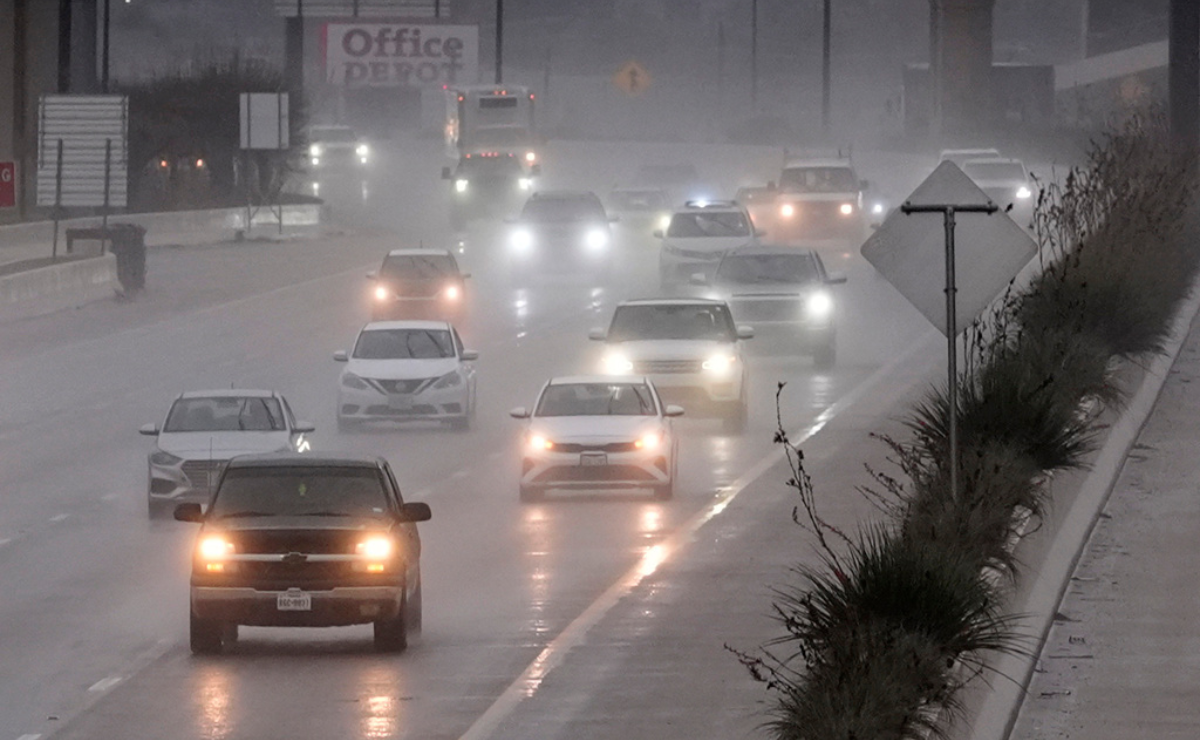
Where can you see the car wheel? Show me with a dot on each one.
(204, 635)
(825, 356)
(391, 635)
(529, 493)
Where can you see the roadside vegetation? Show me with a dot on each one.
(879, 640)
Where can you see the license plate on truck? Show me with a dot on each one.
(593, 459)
(293, 601)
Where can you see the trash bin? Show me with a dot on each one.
(129, 246)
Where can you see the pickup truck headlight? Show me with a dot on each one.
(720, 364)
(819, 305)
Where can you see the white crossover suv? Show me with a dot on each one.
(698, 236)
(598, 432)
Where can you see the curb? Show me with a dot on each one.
(1000, 708)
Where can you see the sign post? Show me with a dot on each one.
(264, 125)
(976, 251)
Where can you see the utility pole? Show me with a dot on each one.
(293, 48)
(104, 47)
(499, 41)
(827, 31)
(1184, 73)
(20, 89)
(64, 46)
(754, 54)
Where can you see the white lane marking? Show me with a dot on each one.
(29, 737)
(551, 656)
(59, 517)
(105, 684)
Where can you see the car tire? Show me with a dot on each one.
(391, 635)
(530, 493)
(825, 356)
(205, 635)
(415, 616)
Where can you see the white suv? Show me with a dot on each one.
(688, 347)
(698, 236)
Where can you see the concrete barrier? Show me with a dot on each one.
(52, 288)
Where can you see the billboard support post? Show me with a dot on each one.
(58, 178)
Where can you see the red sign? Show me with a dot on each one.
(8, 185)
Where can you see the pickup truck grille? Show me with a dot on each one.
(666, 367)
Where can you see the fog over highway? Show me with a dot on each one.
(94, 597)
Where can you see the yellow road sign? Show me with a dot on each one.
(632, 78)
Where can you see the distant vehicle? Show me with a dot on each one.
(337, 148)
(587, 432)
(698, 236)
(640, 208)
(688, 347)
(489, 118)
(1006, 182)
(960, 156)
(781, 292)
(418, 284)
(407, 371)
(488, 184)
(302, 541)
(759, 202)
(819, 198)
(562, 231)
(680, 181)
(203, 430)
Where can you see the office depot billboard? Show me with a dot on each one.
(401, 54)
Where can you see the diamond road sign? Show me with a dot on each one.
(909, 251)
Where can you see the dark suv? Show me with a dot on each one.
(293, 540)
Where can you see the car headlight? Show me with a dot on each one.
(164, 458)
(460, 185)
(720, 364)
(877, 209)
(524, 183)
(530, 157)
(350, 380)
(819, 305)
(846, 209)
(316, 150)
(214, 547)
(596, 239)
(452, 293)
(521, 239)
(539, 443)
(787, 210)
(617, 364)
(648, 442)
(449, 380)
(316, 161)
(382, 293)
(375, 548)
(664, 222)
(1024, 193)
(362, 150)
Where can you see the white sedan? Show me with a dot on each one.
(407, 371)
(598, 432)
(203, 430)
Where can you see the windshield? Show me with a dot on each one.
(709, 224)
(563, 209)
(818, 180)
(689, 322)
(404, 344)
(995, 171)
(637, 200)
(497, 166)
(768, 268)
(596, 399)
(225, 414)
(418, 267)
(334, 135)
(300, 491)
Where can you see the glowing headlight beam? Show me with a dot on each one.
(787, 210)
(215, 548)
(381, 293)
(375, 548)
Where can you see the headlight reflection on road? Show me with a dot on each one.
(213, 698)
(377, 694)
(535, 526)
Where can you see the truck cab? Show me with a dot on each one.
(819, 199)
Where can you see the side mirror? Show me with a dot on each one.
(673, 410)
(658, 234)
(416, 511)
(373, 275)
(150, 430)
(189, 513)
(597, 335)
(341, 356)
(698, 278)
(446, 173)
(519, 412)
(835, 278)
(304, 427)
(470, 355)
(745, 332)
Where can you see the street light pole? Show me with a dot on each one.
(825, 67)
(754, 54)
(104, 48)
(499, 41)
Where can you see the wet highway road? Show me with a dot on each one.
(93, 597)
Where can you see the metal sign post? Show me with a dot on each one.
(58, 178)
(948, 212)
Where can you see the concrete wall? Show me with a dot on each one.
(56, 287)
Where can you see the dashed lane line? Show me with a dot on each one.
(105, 684)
